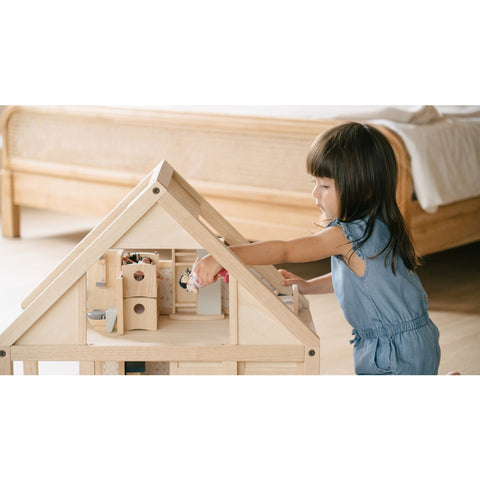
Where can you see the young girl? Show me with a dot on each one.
(372, 256)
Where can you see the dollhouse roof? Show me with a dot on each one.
(163, 201)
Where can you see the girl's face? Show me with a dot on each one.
(325, 195)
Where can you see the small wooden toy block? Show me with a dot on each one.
(116, 298)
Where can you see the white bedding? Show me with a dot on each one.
(443, 141)
(445, 157)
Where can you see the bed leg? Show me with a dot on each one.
(10, 211)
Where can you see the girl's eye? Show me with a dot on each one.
(324, 186)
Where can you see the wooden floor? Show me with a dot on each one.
(452, 279)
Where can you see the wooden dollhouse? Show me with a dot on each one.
(115, 300)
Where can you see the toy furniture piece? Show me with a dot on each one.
(167, 222)
(139, 297)
(252, 169)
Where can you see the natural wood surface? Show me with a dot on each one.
(88, 239)
(451, 278)
(80, 263)
(459, 225)
(266, 322)
(172, 202)
(85, 159)
(220, 353)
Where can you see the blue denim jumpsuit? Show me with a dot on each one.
(393, 334)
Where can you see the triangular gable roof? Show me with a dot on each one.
(165, 187)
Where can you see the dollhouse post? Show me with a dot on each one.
(6, 366)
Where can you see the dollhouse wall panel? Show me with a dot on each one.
(196, 368)
(269, 368)
(257, 326)
(102, 297)
(165, 290)
(63, 323)
(157, 230)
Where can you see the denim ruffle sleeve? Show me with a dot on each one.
(353, 231)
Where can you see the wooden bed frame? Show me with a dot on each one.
(251, 169)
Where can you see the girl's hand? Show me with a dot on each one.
(206, 269)
(291, 279)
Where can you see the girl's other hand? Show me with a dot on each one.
(291, 279)
(206, 269)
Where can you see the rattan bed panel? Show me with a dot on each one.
(244, 158)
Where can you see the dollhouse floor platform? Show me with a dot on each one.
(198, 332)
(170, 332)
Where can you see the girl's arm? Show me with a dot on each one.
(328, 242)
(318, 285)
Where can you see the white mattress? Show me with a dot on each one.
(443, 141)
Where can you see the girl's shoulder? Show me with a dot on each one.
(355, 232)
(356, 228)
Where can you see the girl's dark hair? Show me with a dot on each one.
(361, 161)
